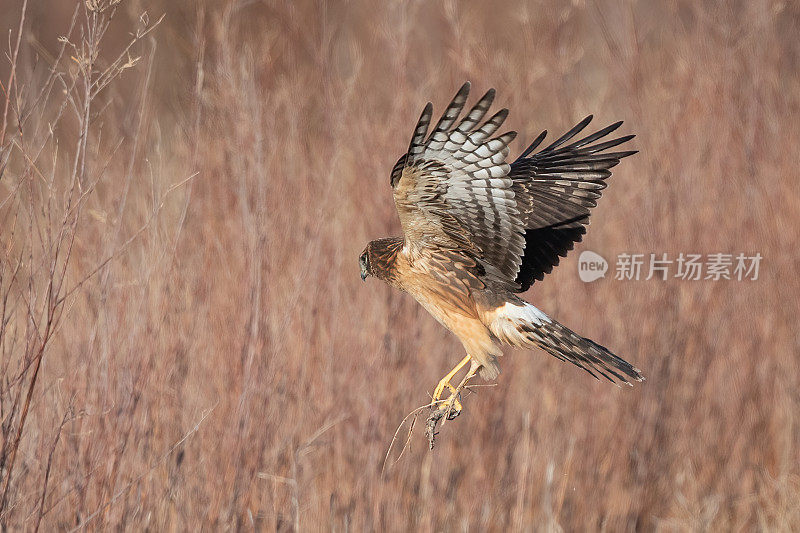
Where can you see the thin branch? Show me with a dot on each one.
(124, 245)
(413, 413)
(67, 415)
(105, 506)
(13, 72)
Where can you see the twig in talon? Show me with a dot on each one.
(441, 409)
(413, 413)
(446, 412)
(408, 438)
(430, 426)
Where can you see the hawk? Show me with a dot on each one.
(477, 231)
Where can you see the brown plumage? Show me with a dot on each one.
(478, 230)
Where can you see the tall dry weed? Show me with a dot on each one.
(185, 339)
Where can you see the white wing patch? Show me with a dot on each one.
(511, 323)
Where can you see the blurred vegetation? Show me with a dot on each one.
(186, 341)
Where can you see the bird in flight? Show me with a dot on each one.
(477, 231)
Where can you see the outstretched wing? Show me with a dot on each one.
(452, 189)
(554, 189)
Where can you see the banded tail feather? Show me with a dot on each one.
(519, 323)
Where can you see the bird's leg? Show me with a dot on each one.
(471, 374)
(453, 405)
(445, 382)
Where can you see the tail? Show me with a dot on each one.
(521, 324)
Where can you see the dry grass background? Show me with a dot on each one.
(227, 368)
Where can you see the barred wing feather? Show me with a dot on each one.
(452, 189)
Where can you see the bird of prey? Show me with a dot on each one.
(478, 231)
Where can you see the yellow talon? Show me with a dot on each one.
(445, 382)
(437, 393)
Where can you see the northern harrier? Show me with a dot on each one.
(478, 230)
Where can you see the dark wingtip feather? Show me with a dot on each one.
(536, 142)
(570, 134)
(463, 91)
(421, 129)
(508, 136)
(594, 136)
(608, 144)
(452, 112)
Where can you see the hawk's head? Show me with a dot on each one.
(378, 258)
(363, 262)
